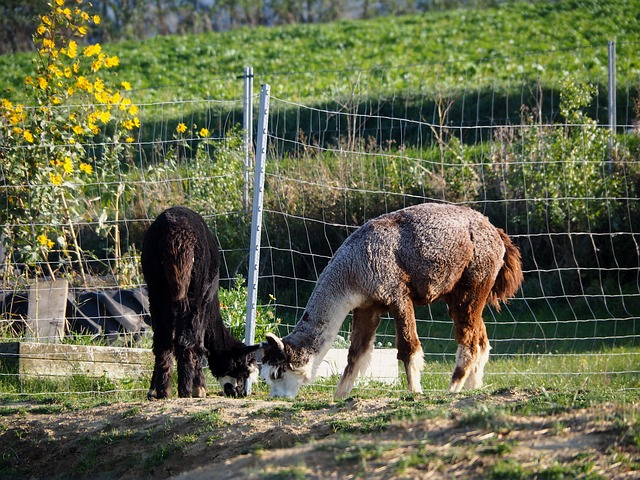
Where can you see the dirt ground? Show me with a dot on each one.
(219, 438)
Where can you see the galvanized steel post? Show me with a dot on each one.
(247, 126)
(256, 218)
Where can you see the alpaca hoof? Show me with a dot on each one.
(200, 392)
(455, 387)
(473, 382)
(152, 394)
(340, 395)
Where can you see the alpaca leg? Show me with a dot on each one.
(474, 380)
(161, 378)
(473, 344)
(409, 347)
(365, 324)
(187, 364)
(163, 335)
(199, 382)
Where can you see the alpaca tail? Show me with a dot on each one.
(177, 262)
(510, 275)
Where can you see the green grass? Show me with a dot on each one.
(457, 49)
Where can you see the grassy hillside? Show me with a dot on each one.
(463, 48)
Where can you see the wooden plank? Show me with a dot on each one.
(57, 360)
(47, 310)
(47, 359)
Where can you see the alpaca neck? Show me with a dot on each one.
(322, 319)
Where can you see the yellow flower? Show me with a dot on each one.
(42, 83)
(82, 31)
(96, 19)
(128, 124)
(112, 61)
(203, 132)
(72, 51)
(133, 110)
(105, 116)
(126, 85)
(56, 100)
(41, 30)
(98, 85)
(55, 178)
(102, 97)
(48, 43)
(115, 98)
(46, 20)
(55, 70)
(181, 128)
(42, 239)
(86, 168)
(129, 139)
(28, 136)
(77, 129)
(83, 84)
(67, 165)
(92, 50)
(59, 2)
(84, 16)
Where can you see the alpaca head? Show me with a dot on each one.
(234, 369)
(284, 369)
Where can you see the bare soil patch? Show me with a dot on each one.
(262, 438)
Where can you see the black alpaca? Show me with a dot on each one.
(181, 263)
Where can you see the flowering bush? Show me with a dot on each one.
(50, 178)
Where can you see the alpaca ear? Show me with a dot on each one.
(243, 351)
(275, 342)
(250, 349)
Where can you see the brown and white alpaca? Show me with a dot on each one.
(415, 255)
(180, 261)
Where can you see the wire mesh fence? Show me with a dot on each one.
(537, 158)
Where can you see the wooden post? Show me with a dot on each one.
(47, 310)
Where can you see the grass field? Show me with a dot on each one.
(582, 426)
(466, 49)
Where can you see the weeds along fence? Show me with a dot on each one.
(549, 162)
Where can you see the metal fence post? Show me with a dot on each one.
(612, 99)
(247, 126)
(256, 218)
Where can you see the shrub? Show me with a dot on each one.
(51, 177)
(233, 303)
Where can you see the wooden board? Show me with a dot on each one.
(33, 360)
(47, 310)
